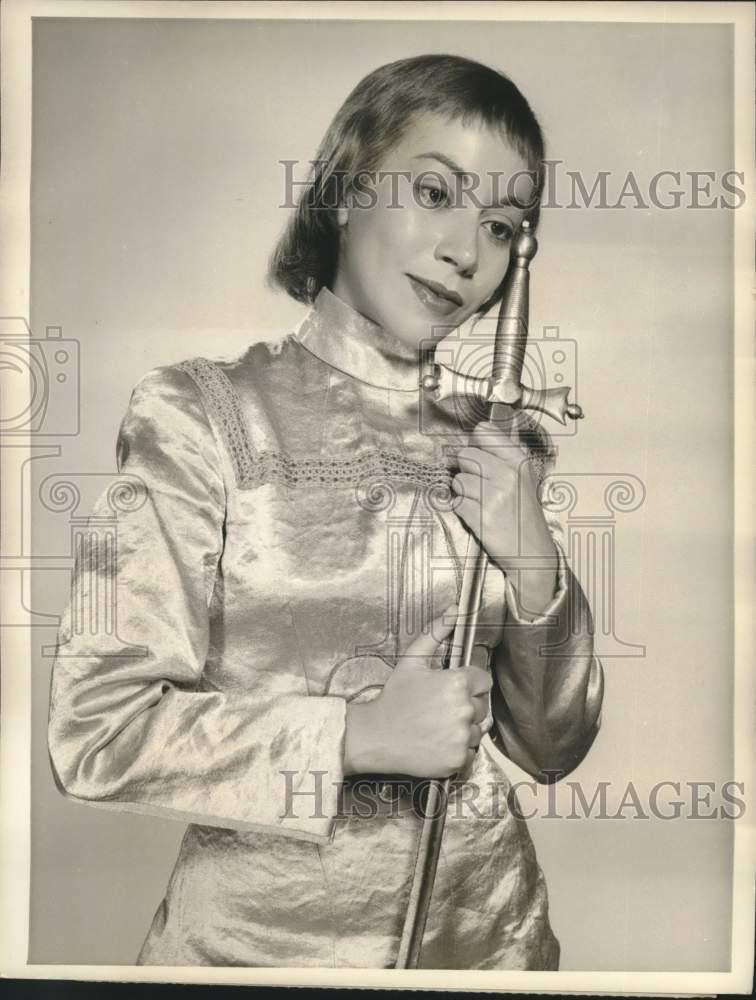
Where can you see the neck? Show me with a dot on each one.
(390, 341)
(345, 339)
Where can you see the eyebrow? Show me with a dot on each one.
(456, 169)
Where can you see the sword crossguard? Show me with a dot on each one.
(444, 383)
(553, 402)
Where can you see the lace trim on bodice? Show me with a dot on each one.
(252, 468)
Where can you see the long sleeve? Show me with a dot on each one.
(148, 733)
(548, 683)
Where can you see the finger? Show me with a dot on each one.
(481, 709)
(421, 649)
(488, 435)
(466, 484)
(489, 429)
(476, 462)
(486, 454)
(479, 681)
(476, 735)
(470, 512)
(496, 469)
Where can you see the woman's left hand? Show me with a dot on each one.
(500, 505)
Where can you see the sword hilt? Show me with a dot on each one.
(512, 326)
(512, 341)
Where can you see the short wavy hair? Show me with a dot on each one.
(373, 120)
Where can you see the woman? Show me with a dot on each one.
(292, 568)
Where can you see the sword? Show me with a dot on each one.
(503, 392)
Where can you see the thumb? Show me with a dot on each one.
(418, 655)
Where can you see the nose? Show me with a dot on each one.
(458, 244)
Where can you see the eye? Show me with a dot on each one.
(432, 194)
(500, 231)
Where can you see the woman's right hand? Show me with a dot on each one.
(426, 722)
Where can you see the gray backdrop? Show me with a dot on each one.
(155, 197)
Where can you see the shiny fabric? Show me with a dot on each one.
(296, 533)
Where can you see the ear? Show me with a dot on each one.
(342, 215)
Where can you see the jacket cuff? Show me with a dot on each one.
(555, 606)
(312, 791)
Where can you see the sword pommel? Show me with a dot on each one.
(525, 246)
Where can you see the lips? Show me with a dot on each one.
(435, 296)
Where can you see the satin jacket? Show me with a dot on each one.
(294, 534)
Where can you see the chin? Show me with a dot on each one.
(423, 328)
(416, 336)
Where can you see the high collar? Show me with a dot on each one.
(337, 334)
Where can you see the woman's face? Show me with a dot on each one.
(428, 243)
